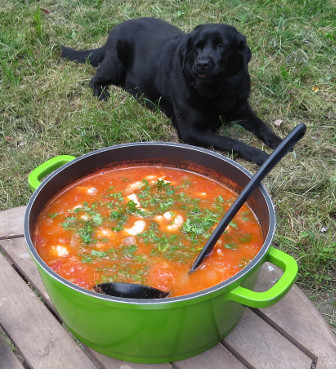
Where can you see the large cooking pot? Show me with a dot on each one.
(156, 331)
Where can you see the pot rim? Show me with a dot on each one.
(168, 300)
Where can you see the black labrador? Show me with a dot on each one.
(197, 79)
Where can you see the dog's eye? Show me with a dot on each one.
(199, 44)
(220, 45)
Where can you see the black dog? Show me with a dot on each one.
(195, 78)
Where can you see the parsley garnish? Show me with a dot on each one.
(85, 233)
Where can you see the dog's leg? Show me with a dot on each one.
(206, 139)
(248, 119)
(110, 71)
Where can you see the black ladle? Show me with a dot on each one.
(130, 290)
(138, 291)
(284, 147)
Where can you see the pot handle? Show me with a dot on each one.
(37, 174)
(268, 298)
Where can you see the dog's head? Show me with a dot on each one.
(215, 50)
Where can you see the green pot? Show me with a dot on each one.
(162, 330)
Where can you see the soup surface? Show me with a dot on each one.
(146, 225)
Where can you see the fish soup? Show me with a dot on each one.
(145, 224)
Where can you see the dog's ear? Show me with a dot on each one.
(187, 45)
(185, 50)
(245, 51)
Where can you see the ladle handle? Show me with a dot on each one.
(284, 147)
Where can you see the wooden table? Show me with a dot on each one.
(290, 334)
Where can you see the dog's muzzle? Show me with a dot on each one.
(203, 66)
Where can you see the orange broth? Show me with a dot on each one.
(145, 224)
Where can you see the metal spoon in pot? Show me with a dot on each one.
(130, 290)
(284, 147)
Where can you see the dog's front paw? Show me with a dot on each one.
(273, 141)
(104, 95)
(254, 156)
(260, 158)
(99, 91)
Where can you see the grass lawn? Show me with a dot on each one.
(47, 108)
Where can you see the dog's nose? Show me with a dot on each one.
(204, 65)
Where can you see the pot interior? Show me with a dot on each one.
(181, 156)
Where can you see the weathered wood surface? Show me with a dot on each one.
(290, 334)
(11, 222)
(7, 357)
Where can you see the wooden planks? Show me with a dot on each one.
(18, 253)
(216, 358)
(26, 320)
(110, 363)
(7, 357)
(11, 222)
(296, 317)
(267, 347)
(291, 334)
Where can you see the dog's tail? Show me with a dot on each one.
(94, 56)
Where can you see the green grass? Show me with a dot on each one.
(47, 108)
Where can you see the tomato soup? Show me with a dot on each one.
(145, 225)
